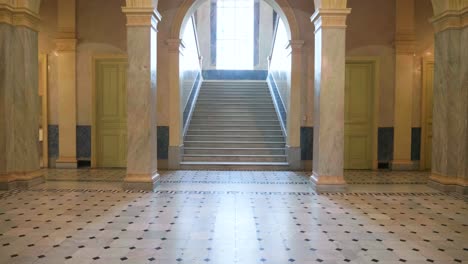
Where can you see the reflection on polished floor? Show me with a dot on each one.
(232, 217)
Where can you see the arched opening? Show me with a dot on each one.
(289, 107)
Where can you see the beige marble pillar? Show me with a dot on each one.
(66, 82)
(330, 36)
(293, 143)
(450, 97)
(142, 20)
(175, 106)
(19, 100)
(404, 63)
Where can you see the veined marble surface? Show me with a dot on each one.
(464, 88)
(329, 101)
(19, 99)
(450, 113)
(141, 102)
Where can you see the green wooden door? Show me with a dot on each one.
(359, 94)
(111, 112)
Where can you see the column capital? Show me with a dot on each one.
(65, 44)
(330, 18)
(295, 46)
(142, 16)
(24, 13)
(175, 45)
(450, 19)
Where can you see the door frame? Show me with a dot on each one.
(43, 69)
(425, 64)
(94, 60)
(375, 61)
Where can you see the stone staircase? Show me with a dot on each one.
(234, 126)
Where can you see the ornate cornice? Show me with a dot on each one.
(295, 46)
(175, 45)
(138, 17)
(65, 44)
(330, 18)
(18, 16)
(450, 19)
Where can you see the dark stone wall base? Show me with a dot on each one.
(22, 184)
(448, 188)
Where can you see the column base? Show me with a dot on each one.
(66, 163)
(175, 157)
(21, 180)
(294, 157)
(404, 165)
(448, 183)
(144, 182)
(326, 183)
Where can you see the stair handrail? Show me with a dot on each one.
(275, 30)
(195, 32)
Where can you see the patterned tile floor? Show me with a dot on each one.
(231, 217)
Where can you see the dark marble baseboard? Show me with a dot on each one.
(83, 142)
(163, 142)
(415, 143)
(385, 144)
(307, 141)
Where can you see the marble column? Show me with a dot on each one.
(330, 36)
(294, 121)
(176, 121)
(404, 63)
(141, 96)
(66, 82)
(19, 97)
(450, 99)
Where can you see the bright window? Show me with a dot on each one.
(234, 35)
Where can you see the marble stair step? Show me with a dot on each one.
(234, 127)
(235, 111)
(234, 144)
(234, 107)
(200, 165)
(232, 94)
(210, 115)
(234, 100)
(234, 151)
(234, 158)
(233, 119)
(220, 138)
(234, 122)
(235, 132)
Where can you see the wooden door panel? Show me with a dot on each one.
(111, 112)
(359, 94)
